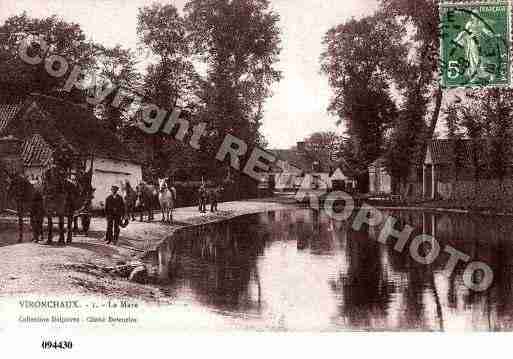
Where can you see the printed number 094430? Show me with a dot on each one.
(49, 344)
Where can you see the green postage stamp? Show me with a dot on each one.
(475, 44)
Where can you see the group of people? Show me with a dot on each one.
(212, 195)
(116, 209)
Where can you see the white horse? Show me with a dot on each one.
(167, 197)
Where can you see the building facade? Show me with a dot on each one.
(463, 169)
(47, 124)
(380, 182)
(293, 170)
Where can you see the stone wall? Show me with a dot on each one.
(483, 191)
(411, 190)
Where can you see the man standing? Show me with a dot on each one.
(37, 214)
(114, 211)
(202, 198)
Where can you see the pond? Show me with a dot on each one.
(300, 270)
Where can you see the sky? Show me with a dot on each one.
(299, 103)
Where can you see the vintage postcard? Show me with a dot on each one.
(170, 167)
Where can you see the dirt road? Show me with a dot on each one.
(30, 268)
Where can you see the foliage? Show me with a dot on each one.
(485, 118)
(323, 148)
(170, 78)
(117, 65)
(417, 81)
(239, 43)
(64, 39)
(360, 59)
(421, 75)
(163, 31)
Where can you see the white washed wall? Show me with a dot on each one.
(111, 172)
(106, 173)
(35, 172)
(379, 180)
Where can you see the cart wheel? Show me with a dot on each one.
(86, 222)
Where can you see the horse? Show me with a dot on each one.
(146, 196)
(62, 197)
(27, 199)
(130, 198)
(167, 197)
(214, 196)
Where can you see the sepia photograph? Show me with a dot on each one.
(255, 166)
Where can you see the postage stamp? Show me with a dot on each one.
(475, 44)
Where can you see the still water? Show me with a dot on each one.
(299, 270)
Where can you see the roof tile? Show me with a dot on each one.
(60, 122)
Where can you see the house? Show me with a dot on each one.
(288, 169)
(293, 170)
(46, 123)
(343, 178)
(453, 168)
(380, 182)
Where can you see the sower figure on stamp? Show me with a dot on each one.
(114, 211)
(469, 39)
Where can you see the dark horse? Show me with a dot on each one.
(63, 197)
(214, 196)
(26, 197)
(130, 198)
(147, 196)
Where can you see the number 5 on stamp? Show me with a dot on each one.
(475, 44)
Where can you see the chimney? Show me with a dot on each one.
(301, 146)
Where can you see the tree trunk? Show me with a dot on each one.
(436, 112)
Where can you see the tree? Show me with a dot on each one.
(485, 119)
(497, 105)
(239, 43)
(361, 55)
(118, 66)
(404, 147)
(422, 76)
(455, 135)
(472, 123)
(63, 39)
(323, 148)
(417, 82)
(171, 79)
(452, 122)
(163, 31)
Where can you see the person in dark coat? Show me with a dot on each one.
(114, 211)
(37, 214)
(202, 198)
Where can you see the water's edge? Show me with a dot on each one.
(151, 255)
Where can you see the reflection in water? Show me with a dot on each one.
(364, 288)
(299, 270)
